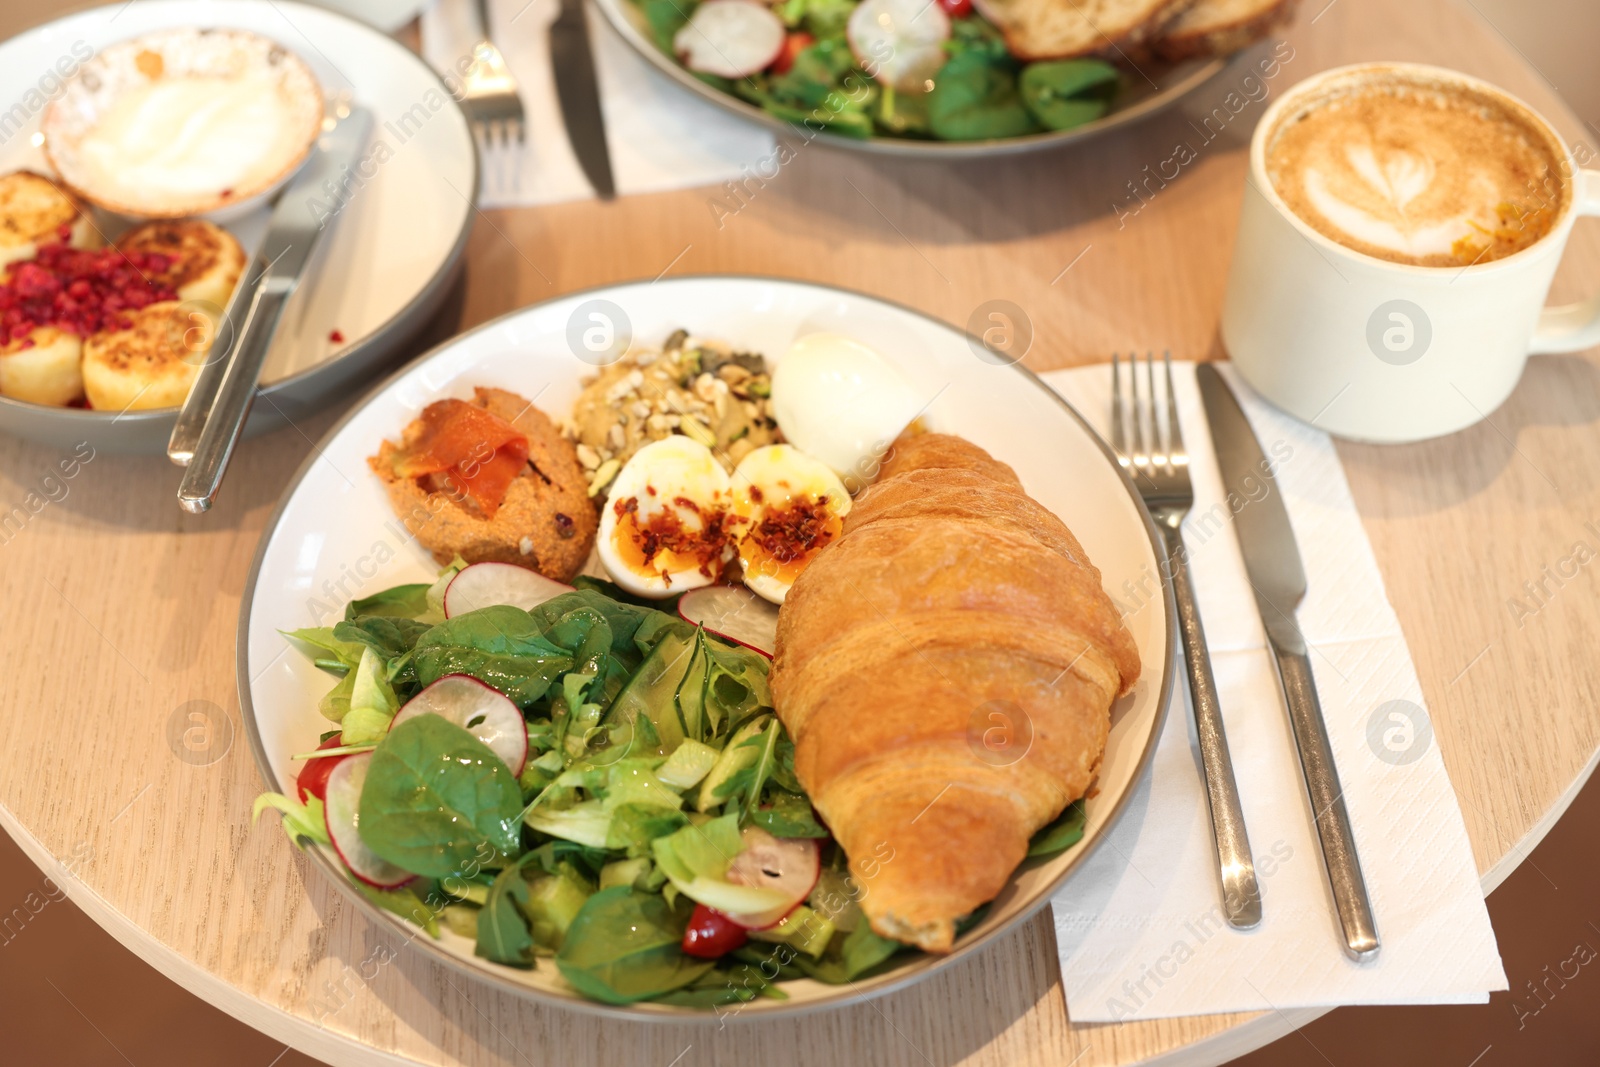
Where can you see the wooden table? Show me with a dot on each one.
(120, 610)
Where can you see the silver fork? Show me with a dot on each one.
(1161, 473)
(490, 96)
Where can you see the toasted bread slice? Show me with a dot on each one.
(1219, 27)
(43, 367)
(206, 259)
(1062, 29)
(32, 211)
(149, 363)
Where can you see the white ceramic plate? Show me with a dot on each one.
(401, 230)
(335, 537)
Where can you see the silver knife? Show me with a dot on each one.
(208, 429)
(1272, 560)
(579, 95)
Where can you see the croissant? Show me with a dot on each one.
(946, 669)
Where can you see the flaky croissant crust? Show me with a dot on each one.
(946, 669)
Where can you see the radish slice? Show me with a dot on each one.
(899, 42)
(730, 38)
(483, 585)
(733, 613)
(790, 865)
(483, 712)
(341, 810)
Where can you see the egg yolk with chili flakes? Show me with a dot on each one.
(666, 527)
(791, 507)
(464, 451)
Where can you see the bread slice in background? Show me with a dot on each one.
(149, 363)
(1219, 27)
(1063, 29)
(32, 211)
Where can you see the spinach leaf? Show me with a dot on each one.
(402, 601)
(1061, 834)
(789, 815)
(501, 646)
(1067, 93)
(665, 18)
(435, 796)
(860, 953)
(624, 947)
(390, 637)
(975, 98)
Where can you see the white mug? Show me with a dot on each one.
(1380, 351)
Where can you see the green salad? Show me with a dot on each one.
(588, 782)
(921, 69)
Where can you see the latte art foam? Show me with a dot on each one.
(1423, 174)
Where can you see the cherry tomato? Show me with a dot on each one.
(313, 780)
(794, 44)
(711, 934)
(956, 9)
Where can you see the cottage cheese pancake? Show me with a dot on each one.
(1422, 173)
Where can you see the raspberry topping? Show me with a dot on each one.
(79, 292)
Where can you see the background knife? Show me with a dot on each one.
(212, 418)
(1272, 559)
(579, 95)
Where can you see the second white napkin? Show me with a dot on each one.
(661, 136)
(1140, 928)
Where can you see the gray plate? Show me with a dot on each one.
(388, 78)
(1137, 99)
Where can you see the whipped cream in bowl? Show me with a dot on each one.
(184, 122)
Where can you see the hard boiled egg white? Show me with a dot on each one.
(840, 401)
(790, 506)
(664, 528)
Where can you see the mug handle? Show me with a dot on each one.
(1571, 327)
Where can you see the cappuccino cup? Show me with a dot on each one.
(1400, 229)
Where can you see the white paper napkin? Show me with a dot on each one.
(1140, 927)
(661, 136)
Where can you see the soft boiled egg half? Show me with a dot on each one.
(840, 401)
(789, 506)
(664, 528)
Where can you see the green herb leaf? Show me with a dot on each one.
(435, 797)
(789, 815)
(624, 947)
(1065, 93)
(975, 98)
(501, 646)
(401, 601)
(1061, 834)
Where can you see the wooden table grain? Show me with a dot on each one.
(120, 611)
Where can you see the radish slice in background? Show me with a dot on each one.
(899, 42)
(483, 585)
(341, 810)
(730, 38)
(483, 712)
(734, 613)
(790, 865)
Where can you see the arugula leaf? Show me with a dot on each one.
(1065, 93)
(503, 933)
(401, 601)
(789, 815)
(624, 947)
(501, 646)
(1061, 834)
(435, 796)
